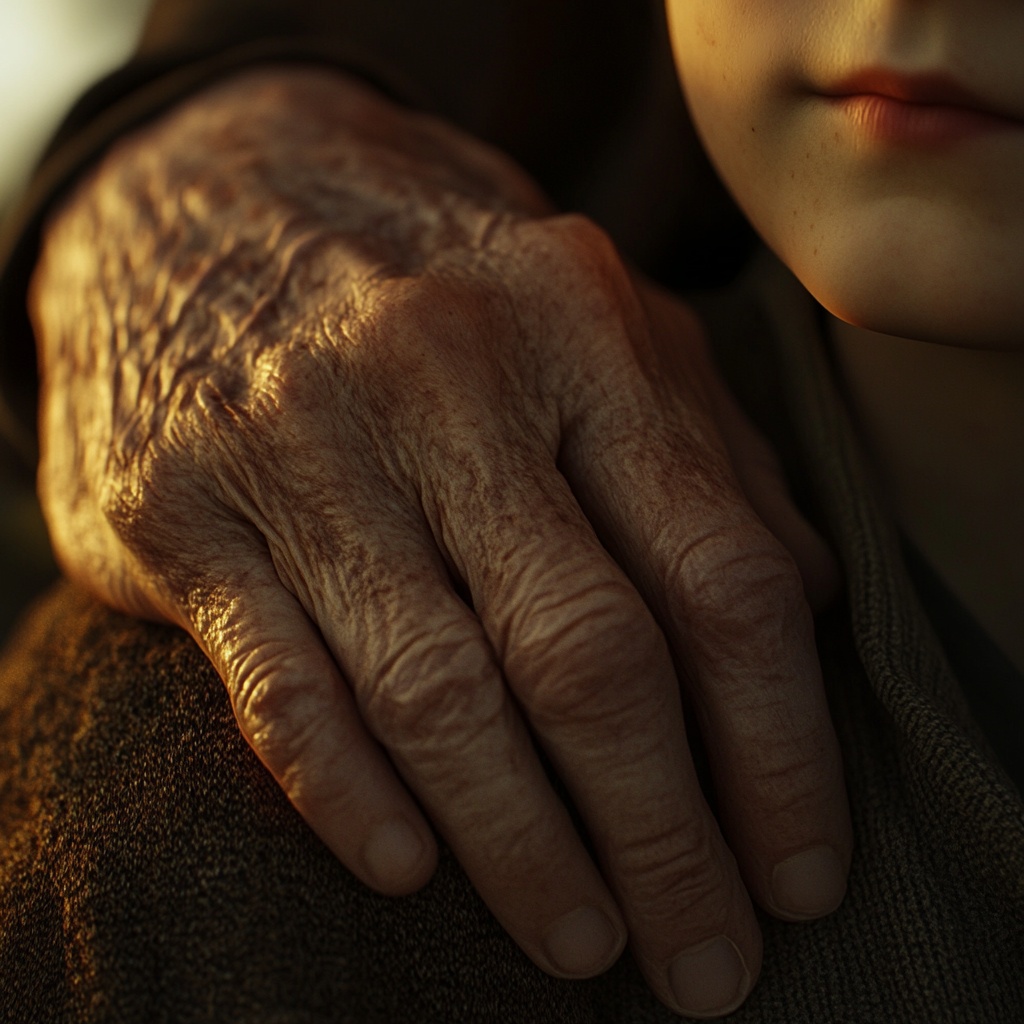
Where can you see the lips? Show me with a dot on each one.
(921, 110)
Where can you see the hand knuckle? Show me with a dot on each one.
(299, 377)
(280, 708)
(583, 239)
(674, 868)
(140, 495)
(734, 584)
(573, 258)
(791, 784)
(575, 653)
(450, 313)
(790, 772)
(434, 684)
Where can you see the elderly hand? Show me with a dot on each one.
(431, 478)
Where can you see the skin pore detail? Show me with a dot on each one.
(323, 469)
(878, 148)
(913, 234)
(425, 591)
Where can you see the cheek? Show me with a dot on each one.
(737, 75)
(913, 243)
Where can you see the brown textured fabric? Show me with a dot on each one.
(150, 869)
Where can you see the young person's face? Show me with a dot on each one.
(901, 217)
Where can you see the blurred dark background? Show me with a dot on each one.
(50, 50)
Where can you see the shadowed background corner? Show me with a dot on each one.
(50, 51)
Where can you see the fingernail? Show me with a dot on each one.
(709, 979)
(583, 943)
(809, 884)
(393, 852)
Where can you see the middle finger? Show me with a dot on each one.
(593, 673)
(429, 689)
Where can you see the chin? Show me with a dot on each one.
(902, 268)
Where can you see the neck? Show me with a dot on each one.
(945, 430)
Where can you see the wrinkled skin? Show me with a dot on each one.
(425, 471)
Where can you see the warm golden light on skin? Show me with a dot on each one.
(878, 147)
(919, 241)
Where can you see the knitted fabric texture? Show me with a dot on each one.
(151, 870)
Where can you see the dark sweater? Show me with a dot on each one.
(151, 870)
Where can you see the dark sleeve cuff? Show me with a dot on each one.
(126, 99)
